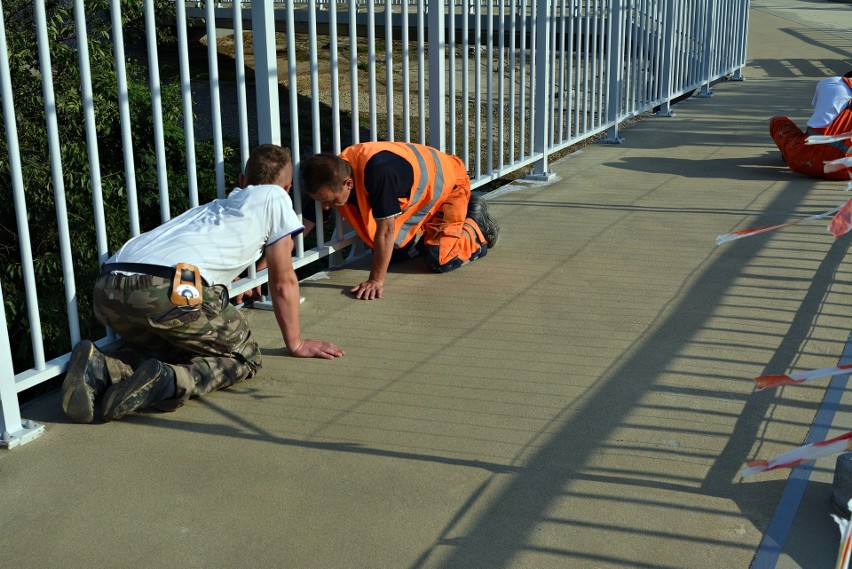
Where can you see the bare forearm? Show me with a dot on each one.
(309, 225)
(285, 302)
(382, 251)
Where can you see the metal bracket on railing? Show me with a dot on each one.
(612, 137)
(542, 177)
(357, 251)
(29, 430)
(705, 93)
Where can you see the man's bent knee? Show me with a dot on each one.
(432, 256)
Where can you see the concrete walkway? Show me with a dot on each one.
(582, 397)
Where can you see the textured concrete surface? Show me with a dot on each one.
(581, 397)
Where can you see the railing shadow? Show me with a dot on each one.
(508, 524)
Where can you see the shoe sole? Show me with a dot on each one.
(493, 241)
(490, 229)
(77, 397)
(133, 392)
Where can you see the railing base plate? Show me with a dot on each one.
(30, 430)
(543, 177)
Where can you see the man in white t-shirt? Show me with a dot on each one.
(165, 293)
(832, 115)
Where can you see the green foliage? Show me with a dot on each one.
(30, 118)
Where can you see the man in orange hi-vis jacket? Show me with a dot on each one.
(832, 116)
(402, 196)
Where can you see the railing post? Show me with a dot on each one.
(667, 71)
(710, 19)
(615, 71)
(543, 91)
(56, 172)
(743, 41)
(266, 72)
(14, 431)
(215, 104)
(436, 38)
(10, 415)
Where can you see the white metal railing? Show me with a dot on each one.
(503, 84)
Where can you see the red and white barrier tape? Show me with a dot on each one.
(770, 381)
(827, 138)
(739, 234)
(842, 221)
(845, 549)
(836, 165)
(799, 455)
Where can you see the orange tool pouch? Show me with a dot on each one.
(187, 289)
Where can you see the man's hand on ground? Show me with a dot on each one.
(317, 349)
(368, 290)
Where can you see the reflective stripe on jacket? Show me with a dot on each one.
(435, 173)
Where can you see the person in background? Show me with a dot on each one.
(832, 115)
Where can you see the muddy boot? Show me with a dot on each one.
(85, 381)
(477, 210)
(153, 381)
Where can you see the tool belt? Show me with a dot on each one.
(187, 282)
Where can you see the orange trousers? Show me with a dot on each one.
(805, 158)
(450, 238)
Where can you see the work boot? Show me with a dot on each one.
(477, 210)
(151, 382)
(85, 381)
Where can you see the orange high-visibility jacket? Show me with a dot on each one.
(435, 173)
(841, 124)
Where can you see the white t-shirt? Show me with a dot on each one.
(831, 96)
(222, 237)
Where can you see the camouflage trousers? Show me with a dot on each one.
(209, 348)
